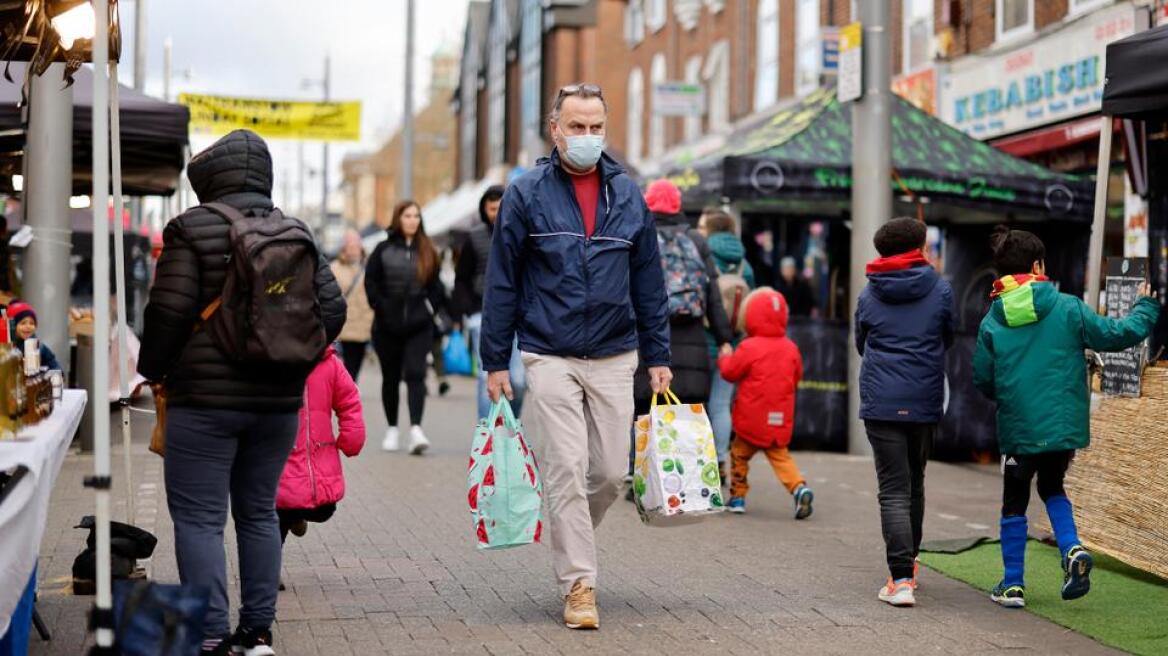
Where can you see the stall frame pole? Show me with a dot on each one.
(1099, 223)
(123, 363)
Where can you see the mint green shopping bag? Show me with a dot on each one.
(504, 488)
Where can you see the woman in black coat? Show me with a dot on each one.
(401, 281)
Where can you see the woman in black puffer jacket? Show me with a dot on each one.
(401, 281)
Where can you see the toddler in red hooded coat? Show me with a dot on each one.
(767, 367)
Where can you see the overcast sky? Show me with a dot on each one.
(265, 48)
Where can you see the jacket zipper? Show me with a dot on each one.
(406, 296)
(308, 447)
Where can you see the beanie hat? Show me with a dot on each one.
(663, 197)
(18, 310)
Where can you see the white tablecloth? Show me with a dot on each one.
(25, 510)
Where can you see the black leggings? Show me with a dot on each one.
(403, 357)
(1051, 469)
(290, 517)
(353, 354)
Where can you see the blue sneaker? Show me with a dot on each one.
(803, 498)
(1077, 573)
(736, 505)
(1009, 596)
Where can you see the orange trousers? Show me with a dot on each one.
(784, 465)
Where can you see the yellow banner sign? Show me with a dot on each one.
(276, 119)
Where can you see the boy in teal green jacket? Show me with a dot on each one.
(1030, 360)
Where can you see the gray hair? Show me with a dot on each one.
(581, 90)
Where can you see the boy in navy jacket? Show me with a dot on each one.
(904, 325)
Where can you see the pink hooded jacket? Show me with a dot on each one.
(313, 475)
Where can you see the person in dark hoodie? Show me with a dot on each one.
(467, 297)
(229, 426)
(687, 331)
(904, 325)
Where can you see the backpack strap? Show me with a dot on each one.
(231, 215)
(224, 210)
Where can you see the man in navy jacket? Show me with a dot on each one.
(574, 270)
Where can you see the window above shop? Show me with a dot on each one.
(635, 22)
(636, 116)
(1083, 6)
(656, 15)
(657, 75)
(1013, 18)
(687, 12)
(918, 34)
(715, 6)
(693, 75)
(766, 69)
(716, 74)
(808, 49)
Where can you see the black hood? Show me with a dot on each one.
(237, 163)
(494, 191)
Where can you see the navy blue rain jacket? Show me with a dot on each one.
(904, 325)
(565, 294)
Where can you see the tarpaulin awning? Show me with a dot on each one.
(803, 155)
(1137, 75)
(154, 134)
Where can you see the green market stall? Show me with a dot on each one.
(788, 175)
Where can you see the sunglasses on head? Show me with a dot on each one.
(578, 89)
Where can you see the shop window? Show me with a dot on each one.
(1083, 6)
(693, 75)
(657, 75)
(918, 34)
(1013, 18)
(633, 144)
(808, 50)
(766, 68)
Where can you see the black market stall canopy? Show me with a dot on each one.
(800, 159)
(1137, 75)
(154, 135)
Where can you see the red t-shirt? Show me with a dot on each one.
(588, 196)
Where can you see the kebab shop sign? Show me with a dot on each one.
(1057, 77)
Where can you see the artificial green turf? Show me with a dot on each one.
(1126, 608)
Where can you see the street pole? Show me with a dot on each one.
(325, 167)
(871, 173)
(166, 47)
(300, 207)
(1095, 245)
(139, 86)
(48, 185)
(407, 172)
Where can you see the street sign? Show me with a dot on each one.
(679, 99)
(831, 50)
(851, 63)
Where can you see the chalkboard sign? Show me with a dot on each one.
(1122, 371)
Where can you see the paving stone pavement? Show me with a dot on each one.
(396, 570)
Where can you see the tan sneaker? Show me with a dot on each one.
(580, 608)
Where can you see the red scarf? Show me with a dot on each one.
(898, 262)
(1010, 283)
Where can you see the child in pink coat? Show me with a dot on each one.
(313, 481)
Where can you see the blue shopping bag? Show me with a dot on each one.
(457, 355)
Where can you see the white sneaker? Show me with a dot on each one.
(897, 594)
(392, 437)
(418, 441)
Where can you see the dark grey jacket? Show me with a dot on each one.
(236, 170)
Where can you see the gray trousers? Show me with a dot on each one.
(216, 455)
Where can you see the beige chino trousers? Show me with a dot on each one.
(583, 412)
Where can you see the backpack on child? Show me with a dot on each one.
(734, 291)
(686, 280)
(268, 310)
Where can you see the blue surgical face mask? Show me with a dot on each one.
(584, 150)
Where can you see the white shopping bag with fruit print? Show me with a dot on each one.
(675, 470)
